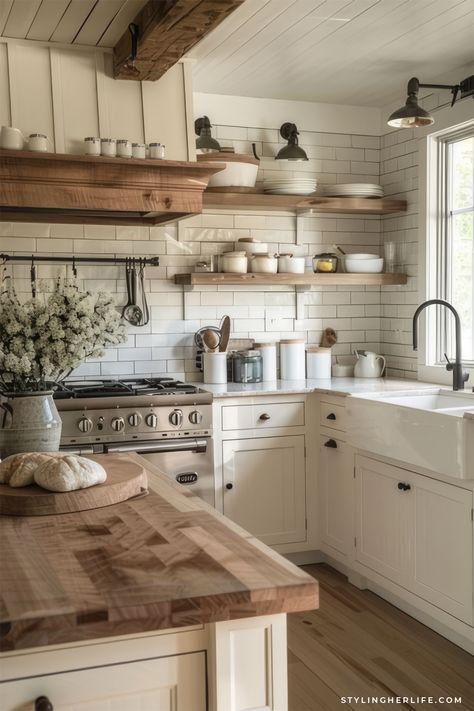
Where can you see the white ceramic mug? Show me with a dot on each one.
(215, 367)
(11, 138)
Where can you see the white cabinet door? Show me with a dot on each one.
(442, 568)
(176, 683)
(335, 479)
(264, 487)
(383, 518)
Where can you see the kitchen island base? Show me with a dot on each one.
(234, 664)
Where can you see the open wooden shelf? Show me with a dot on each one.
(263, 201)
(335, 279)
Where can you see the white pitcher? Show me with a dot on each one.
(368, 364)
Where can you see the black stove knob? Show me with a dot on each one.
(117, 424)
(85, 424)
(176, 418)
(151, 420)
(195, 417)
(134, 419)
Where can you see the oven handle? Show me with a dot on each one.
(170, 445)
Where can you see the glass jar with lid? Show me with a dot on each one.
(247, 367)
(325, 263)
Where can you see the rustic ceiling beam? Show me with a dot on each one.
(167, 29)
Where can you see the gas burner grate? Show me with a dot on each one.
(113, 388)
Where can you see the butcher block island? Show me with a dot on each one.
(156, 602)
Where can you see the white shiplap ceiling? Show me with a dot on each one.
(359, 52)
(79, 22)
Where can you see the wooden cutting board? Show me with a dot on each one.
(125, 479)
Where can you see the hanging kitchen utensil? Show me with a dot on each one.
(144, 303)
(33, 277)
(128, 285)
(131, 311)
(225, 334)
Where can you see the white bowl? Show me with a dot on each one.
(362, 256)
(364, 266)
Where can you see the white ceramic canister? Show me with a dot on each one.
(263, 264)
(157, 151)
(92, 146)
(215, 367)
(38, 142)
(234, 262)
(108, 147)
(138, 150)
(269, 359)
(289, 264)
(292, 359)
(124, 148)
(11, 138)
(318, 362)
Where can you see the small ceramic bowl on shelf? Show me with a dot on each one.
(363, 266)
(233, 262)
(263, 264)
(288, 264)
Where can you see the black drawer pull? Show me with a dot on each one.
(331, 443)
(42, 703)
(229, 486)
(264, 416)
(331, 416)
(403, 487)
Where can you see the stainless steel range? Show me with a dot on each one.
(166, 421)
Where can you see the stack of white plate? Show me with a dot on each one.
(365, 190)
(290, 186)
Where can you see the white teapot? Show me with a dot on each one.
(368, 365)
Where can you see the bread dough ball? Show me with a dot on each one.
(69, 473)
(18, 469)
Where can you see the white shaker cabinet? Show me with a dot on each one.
(264, 487)
(335, 495)
(417, 532)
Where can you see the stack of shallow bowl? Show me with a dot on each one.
(290, 186)
(362, 190)
(363, 263)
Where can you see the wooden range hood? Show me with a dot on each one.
(51, 187)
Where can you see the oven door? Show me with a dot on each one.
(189, 461)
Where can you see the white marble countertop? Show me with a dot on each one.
(334, 386)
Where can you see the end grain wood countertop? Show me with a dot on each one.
(162, 561)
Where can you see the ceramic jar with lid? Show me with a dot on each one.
(157, 151)
(38, 142)
(289, 264)
(138, 150)
(108, 147)
(233, 262)
(124, 148)
(292, 359)
(318, 362)
(263, 264)
(92, 146)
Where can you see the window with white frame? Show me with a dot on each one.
(454, 258)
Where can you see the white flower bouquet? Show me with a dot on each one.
(49, 335)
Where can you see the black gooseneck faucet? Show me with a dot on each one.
(459, 377)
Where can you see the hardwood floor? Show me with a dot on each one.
(357, 644)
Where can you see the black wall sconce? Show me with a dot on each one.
(206, 143)
(292, 151)
(413, 116)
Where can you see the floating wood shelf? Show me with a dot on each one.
(264, 201)
(335, 279)
(52, 187)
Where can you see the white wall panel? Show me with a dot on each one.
(46, 19)
(30, 88)
(164, 118)
(5, 118)
(120, 102)
(75, 99)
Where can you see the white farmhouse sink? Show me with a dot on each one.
(433, 430)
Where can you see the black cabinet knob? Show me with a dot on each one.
(264, 416)
(42, 703)
(331, 416)
(403, 486)
(229, 486)
(331, 443)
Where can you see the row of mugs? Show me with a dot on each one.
(122, 147)
(13, 139)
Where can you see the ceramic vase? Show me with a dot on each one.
(30, 423)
